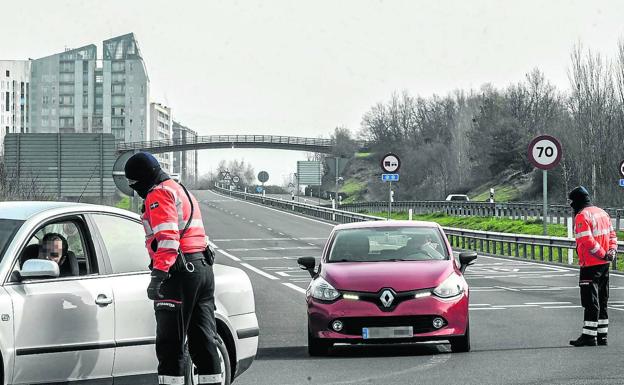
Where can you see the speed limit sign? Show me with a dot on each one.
(545, 152)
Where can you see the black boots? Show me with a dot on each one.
(602, 340)
(585, 340)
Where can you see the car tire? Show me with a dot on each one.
(318, 347)
(461, 344)
(190, 375)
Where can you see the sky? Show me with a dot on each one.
(302, 68)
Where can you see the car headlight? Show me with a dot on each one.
(451, 287)
(322, 290)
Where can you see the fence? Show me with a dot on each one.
(532, 247)
(558, 214)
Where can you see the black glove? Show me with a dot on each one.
(153, 290)
(611, 254)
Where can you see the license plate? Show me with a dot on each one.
(388, 332)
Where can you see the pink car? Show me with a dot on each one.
(387, 282)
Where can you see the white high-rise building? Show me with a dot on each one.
(74, 91)
(14, 95)
(161, 129)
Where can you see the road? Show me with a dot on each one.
(522, 315)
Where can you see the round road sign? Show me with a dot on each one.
(390, 163)
(263, 176)
(545, 152)
(235, 179)
(622, 168)
(119, 176)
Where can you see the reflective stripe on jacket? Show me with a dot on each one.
(167, 209)
(594, 236)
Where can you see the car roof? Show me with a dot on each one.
(23, 210)
(382, 224)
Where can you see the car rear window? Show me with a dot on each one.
(388, 244)
(459, 198)
(8, 228)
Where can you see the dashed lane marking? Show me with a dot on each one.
(294, 287)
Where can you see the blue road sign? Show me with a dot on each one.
(258, 189)
(390, 177)
(621, 182)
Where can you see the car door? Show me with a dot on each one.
(123, 240)
(64, 327)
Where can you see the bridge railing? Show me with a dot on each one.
(558, 250)
(557, 214)
(226, 139)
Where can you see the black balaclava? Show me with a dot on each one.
(580, 199)
(145, 171)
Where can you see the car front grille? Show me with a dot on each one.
(354, 325)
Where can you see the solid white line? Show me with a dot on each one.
(480, 304)
(506, 288)
(548, 303)
(294, 287)
(513, 306)
(283, 212)
(488, 308)
(615, 308)
(256, 270)
(561, 307)
(229, 255)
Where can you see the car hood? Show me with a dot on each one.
(398, 275)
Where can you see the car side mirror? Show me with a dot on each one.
(307, 263)
(466, 259)
(39, 268)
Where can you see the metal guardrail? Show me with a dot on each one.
(531, 247)
(558, 214)
(225, 141)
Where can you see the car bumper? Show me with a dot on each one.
(247, 334)
(418, 313)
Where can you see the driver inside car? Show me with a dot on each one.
(420, 244)
(53, 247)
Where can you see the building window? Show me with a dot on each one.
(8, 73)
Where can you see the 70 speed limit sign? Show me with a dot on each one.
(545, 152)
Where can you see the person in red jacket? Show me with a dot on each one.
(182, 279)
(596, 246)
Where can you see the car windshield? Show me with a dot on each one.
(8, 228)
(388, 244)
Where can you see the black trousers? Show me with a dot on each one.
(187, 310)
(594, 285)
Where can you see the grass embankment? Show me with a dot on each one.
(124, 203)
(503, 225)
(354, 190)
(501, 194)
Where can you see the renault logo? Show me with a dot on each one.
(386, 298)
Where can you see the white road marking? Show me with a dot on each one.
(256, 270)
(251, 239)
(229, 255)
(488, 308)
(548, 303)
(506, 288)
(294, 287)
(282, 234)
(562, 307)
(270, 229)
(615, 308)
(514, 306)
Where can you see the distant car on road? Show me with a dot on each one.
(96, 324)
(457, 197)
(387, 282)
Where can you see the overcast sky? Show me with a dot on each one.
(304, 67)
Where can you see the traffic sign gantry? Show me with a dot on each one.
(390, 163)
(545, 152)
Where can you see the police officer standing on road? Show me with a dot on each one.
(182, 279)
(596, 246)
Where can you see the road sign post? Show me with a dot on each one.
(545, 153)
(390, 164)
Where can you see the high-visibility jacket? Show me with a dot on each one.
(594, 236)
(167, 209)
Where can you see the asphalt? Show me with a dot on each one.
(522, 315)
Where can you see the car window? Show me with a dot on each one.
(124, 240)
(8, 228)
(388, 244)
(73, 259)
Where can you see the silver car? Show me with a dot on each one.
(94, 323)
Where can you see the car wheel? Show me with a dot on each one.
(190, 373)
(461, 344)
(317, 346)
